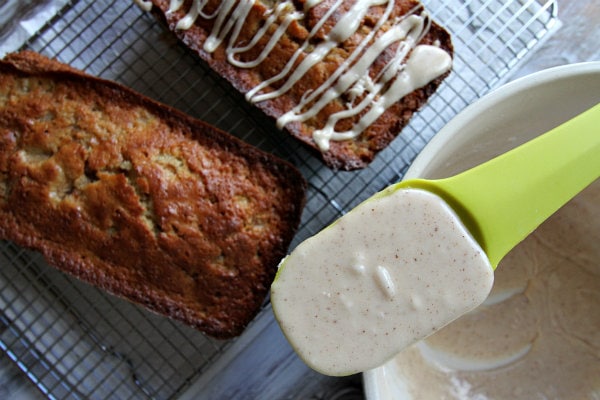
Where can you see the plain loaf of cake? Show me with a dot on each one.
(139, 199)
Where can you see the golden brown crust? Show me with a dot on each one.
(346, 155)
(139, 199)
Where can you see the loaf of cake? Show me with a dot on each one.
(342, 76)
(139, 199)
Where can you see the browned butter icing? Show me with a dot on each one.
(537, 336)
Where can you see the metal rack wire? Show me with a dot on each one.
(75, 342)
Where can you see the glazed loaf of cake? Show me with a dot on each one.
(139, 199)
(342, 76)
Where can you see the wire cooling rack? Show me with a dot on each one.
(75, 342)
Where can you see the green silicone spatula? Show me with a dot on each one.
(503, 200)
(389, 273)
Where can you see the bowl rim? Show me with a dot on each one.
(498, 95)
(466, 116)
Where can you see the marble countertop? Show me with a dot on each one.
(575, 41)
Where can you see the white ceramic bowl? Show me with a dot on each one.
(505, 118)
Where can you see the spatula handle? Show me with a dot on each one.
(504, 200)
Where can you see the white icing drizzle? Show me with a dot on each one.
(311, 3)
(175, 5)
(145, 5)
(412, 76)
(281, 28)
(399, 77)
(251, 95)
(345, 83)
(225, 22)
(195, 11)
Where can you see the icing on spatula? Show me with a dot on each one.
(421, 253)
